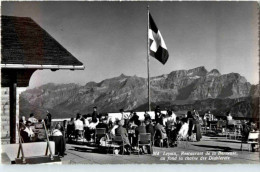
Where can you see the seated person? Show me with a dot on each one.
(26, 132)
(160, 132)
(91, 129)
(159, 128)
(138, 130)
(23, 120)
(102, 124)
(94, 122)
(122, 131)
(79, 126)
(32, 119)
(113, 129)
(229, 117)
(174, 132)
(149, 128)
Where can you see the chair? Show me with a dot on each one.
(99, 132)
(109, 141)
(118, 140)
(79, 134)
(159, 133)
(252, 139)
(231, 125)
(144, 139)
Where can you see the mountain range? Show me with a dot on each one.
(180, 90)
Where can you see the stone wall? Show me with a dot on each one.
(5, 112)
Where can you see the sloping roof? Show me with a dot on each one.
(25, 43)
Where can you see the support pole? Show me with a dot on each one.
(148, 60)
(12, 95)
(48, 142)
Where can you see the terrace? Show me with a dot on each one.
(228, 149)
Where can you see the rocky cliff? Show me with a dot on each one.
(182, 87)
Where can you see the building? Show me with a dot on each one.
(26, 47)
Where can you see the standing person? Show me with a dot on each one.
(47, 120)
(70, 129)
(169, 120)
(208, 117)
(86, 126)
(65, 128)
(146, 116)
(191, 123)
(196, 113)
(158, 115)
(32, 119)
(95, 114)
(59, 140)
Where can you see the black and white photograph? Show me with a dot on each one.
(130, 82)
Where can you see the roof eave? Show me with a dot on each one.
(31, 66)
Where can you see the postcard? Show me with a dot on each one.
(136, 82)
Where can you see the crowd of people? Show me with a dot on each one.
(33, 130)
(165, 129)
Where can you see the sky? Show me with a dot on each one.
(110, 38)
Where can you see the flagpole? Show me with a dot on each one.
(148, 60)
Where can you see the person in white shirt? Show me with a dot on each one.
(56, 131)
(123, 115)
(183, 133)
(29, 130)
(170, 118)
(79, 126)
(32, 119)
(23, 120)
(59, 140)
(229, 117)
(86, 120)
(93, 124)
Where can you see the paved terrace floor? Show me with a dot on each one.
(228, 150)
